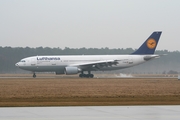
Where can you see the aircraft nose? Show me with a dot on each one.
(16, 64)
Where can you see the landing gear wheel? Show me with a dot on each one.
(86, 75)
(34, 75)
(81, 75)
(91, 75)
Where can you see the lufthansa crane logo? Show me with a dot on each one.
(151, 43)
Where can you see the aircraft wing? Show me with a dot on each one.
(96, 64)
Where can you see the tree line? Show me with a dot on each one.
(11, 55)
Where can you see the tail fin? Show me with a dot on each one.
(149, 46)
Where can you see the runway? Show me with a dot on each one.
(97, 76)
(91, 113)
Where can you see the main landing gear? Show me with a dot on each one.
(89, 75)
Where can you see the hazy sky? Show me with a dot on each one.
(89, 23)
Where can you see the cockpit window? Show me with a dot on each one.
(22, 61)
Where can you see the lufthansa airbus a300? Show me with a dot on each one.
(75, 64)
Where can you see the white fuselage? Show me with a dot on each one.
(58, 63)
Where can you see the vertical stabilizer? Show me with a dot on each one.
(149, 46)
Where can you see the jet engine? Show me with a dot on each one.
(71, 70)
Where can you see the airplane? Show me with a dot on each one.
(78, 64)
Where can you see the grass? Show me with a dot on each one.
(88, 92)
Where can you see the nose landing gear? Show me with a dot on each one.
(34, 75)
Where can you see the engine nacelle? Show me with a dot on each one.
(71, 70)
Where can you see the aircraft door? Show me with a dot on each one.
(53, 62)
(33, 62)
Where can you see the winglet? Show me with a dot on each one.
(149, 46)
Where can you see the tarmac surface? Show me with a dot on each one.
(91, 113)
(135, 76)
